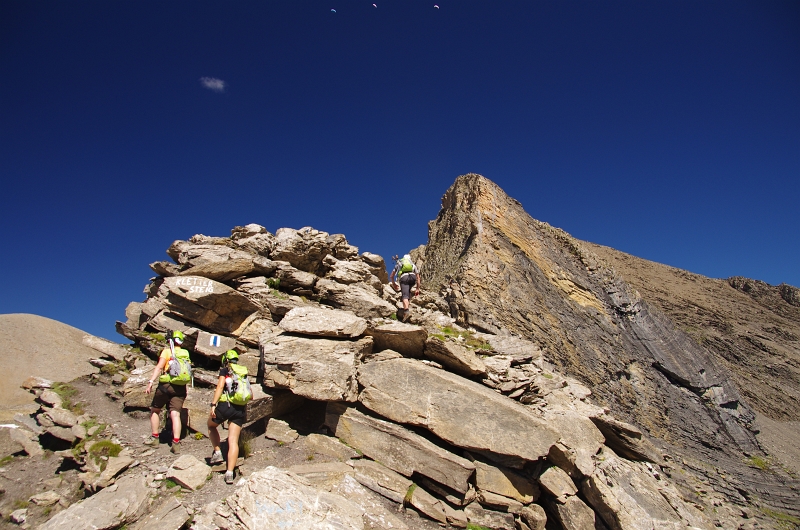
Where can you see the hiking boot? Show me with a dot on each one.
(406, 315)
(229, 477)
(152, 441)
(175, 449)
(216, 458)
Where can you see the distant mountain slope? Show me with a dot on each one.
(752, 330)
(35, 345)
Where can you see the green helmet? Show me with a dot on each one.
(230, 356)
(178, 336)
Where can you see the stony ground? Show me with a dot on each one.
(23, 477)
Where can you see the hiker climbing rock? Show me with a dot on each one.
(229, 404)
(408, 275)
(173, 372)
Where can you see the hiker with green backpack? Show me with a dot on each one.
(229, 404)
(408, 275)
(174, 372)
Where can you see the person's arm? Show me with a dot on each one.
(162, 361)
(392, 275)
(419, 284)
(217, 395)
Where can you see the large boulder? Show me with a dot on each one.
(348, 272)
(318, 369)
(457, 410)
(273, 499)
(106, 347)
(323, 322)
(505, 482)
(455, 357)
(189, 472)
(213, 305)
(406, 339)
(580, 442)
(398, 448)
(121, 503)
(627, 497)
(304, 248)
(353, 298)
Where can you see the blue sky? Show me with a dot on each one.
(666, 129)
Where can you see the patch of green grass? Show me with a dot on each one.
(393, 316)
(784, 520)
(409, 494)
(67, 394)
(273, 283)
(169, 483)
(114, 368)
(198, 436)
(6, 459)
(547, 376)
(473, 526)
(759, 462)
(278, 294)
(158, 337)
(470, 340)
(310, 456)
(20, 504)
(103, 448)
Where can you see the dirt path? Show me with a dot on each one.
(24, 476)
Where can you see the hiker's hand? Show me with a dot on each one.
(417, 292)
(149, 387)
(213, 413)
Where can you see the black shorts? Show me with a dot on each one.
(229, 412)
(169, 393)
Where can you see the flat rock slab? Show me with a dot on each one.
(318, 369)
(375, 514)
(382, 480)
(627, 497)
(352, 298)
(580, 441)
(171, 515)
(455, 357)
(478, 515)
(505, 482)
(213, 305)
(106, 347)
(455, 409)
(557, 483)
(273, 499)
(406, 339)
(189, 472)
(329, 446)
(119, 504)
(280, 431)
(573, 514)
(398, 448)
(322, 322)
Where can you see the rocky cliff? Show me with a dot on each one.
(501, 270)
(531, 388)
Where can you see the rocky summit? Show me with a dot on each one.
(534, 386)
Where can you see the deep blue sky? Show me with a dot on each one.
(666, 129)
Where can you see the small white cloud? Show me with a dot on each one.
(212, 83)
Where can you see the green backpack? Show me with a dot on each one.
(406, 266)
(240, 392)
(180, 367)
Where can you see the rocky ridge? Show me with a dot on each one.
(457, 415)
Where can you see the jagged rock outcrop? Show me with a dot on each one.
(459, 415)
(501, 270)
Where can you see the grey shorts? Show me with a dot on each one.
(407, 281)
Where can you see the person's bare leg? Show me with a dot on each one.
(175, 416)
(233, 445)
(213, 434)
(155, 420)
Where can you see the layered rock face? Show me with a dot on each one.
(502, 271)
(464, 423)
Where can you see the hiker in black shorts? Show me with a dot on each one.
(222, 410)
